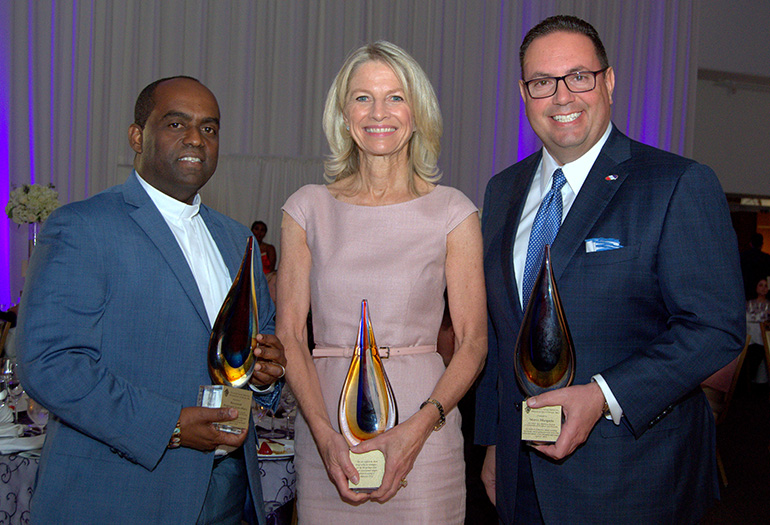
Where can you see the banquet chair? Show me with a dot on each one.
(766, 343)
(5, 326)
(765, 326)
(720, 399)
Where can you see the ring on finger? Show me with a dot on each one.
(403, 482)
(283, 370)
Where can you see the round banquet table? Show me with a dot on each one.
(17, 479)
(278, 489)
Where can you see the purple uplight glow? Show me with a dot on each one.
(5, 150)
(650, 125)
(528, 141)
(89, 107)
(31, 88)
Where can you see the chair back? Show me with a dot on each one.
(720, 399)
(765, 326)
(734, 382)
(5, 326)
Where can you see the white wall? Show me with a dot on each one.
(731, 124)
(734, 36)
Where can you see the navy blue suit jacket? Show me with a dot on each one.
(655, 318)
(112, 338)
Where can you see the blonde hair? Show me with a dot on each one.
(424, 146)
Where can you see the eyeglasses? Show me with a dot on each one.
(578, 82)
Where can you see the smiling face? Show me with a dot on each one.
(377, 113)
(569, 124)
(178, 148)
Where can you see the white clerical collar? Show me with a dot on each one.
(169, 206)
(576, 171)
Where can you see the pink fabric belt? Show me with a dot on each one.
(385, 351)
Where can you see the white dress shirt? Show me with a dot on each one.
(197, 245)
(200, 251)
(576, 173)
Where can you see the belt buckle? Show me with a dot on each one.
(387, 352)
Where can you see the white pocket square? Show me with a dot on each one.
(601, 244)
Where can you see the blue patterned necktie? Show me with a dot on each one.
(544, 230)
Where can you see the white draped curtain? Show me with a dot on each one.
(71, 70)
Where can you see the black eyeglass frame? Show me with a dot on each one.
(563, 79)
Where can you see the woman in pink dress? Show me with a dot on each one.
(384, 231)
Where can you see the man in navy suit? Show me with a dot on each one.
(122, 292)
(646, 264)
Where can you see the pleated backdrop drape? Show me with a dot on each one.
(70, 72)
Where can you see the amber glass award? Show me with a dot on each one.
(231, 346)
(544, 357)
(367, 405)
(234, 336)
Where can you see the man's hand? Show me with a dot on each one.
(198, 431)
(582, 405)
(271, 361)
(488, 474)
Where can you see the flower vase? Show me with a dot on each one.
(34, 228)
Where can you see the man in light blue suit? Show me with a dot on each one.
(646, 264)
(113, 329)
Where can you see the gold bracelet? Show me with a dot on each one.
(441, 416)
(176, 437)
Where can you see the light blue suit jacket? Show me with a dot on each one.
(655, 318)
(112, 338)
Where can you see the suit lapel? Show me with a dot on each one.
(597, 191)
(518, 196)
(231, 254)
(149, 219)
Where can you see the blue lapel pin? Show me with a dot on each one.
(611, 177)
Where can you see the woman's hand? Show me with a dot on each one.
(401, 445)
(335, 453)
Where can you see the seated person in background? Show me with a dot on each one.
(757, 310)
(758, 303)
(755, 264)
(267, 251)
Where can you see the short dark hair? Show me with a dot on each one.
(757, 240)
(145, 101)
(253, 224)
(566, 23)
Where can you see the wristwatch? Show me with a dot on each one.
(441, 416)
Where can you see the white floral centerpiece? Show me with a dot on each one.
(31, 203)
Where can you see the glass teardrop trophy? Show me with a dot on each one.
(367, 405)
(544, 356)
(231, 346)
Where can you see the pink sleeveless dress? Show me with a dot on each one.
(394, 257)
